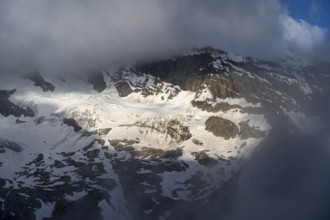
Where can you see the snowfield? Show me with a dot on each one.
(46, 134)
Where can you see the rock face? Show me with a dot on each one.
(191, 72)
(97, 80)
(221, 127)
(204, 159)
(247, 132)
(171, 127)
(181, 69)
(8, 108)
(123, 89)
(209, 107)
(71, 122)
(84, 208)
(169, 139)
(8, 145)
(145, 152)
(39, 81)
(104, 131)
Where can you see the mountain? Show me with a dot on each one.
(180, 138)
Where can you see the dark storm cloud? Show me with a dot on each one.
(75, 35)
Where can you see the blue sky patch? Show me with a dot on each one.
(315, 12)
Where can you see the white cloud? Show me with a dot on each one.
(302, 36)
(76, 35)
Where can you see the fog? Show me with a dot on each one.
(67, 36)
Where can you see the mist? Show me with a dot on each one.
(76, 36)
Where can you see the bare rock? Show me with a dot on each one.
(221, 127)
(71, 122)
(123, 89)
(104, 131)
(97, 80)
(5, 144)
(250, 132)
(205, 159)
(158, 153)
(197, 142)
(41, 82)
(8, 108)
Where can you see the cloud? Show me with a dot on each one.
(56, 35)
(302, 37)
(80, 35)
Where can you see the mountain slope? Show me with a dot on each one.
(148, 141)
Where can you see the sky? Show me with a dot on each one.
(65, 36)
(316, 12)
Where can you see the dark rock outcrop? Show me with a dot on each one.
(104, 131)
(41, 82)
(197, 142)
(250, 132)
(123, 144)
(123, 89)
(222, 106)
(145, 152)
(193, 72)
(158, 153)
(71, 122)
(172, 127)
(221, 127)
(8, 108)
(5, 144)
(205, 159)
(178, 131)
(141, 181)
(85, 208)
(178, 70)
(97, 80)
